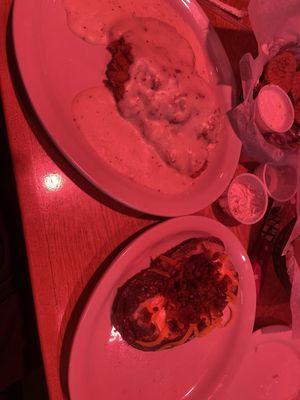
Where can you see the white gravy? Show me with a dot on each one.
(117, 141)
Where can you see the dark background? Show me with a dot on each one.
(21, 369)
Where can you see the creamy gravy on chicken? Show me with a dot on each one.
(159, 138)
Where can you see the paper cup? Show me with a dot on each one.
(280, 181)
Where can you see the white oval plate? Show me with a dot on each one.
(102, 366)
(55, 66)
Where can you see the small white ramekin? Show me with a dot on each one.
(258, 188)
(264, 111)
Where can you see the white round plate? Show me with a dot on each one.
(270, 369)
(102, 366)
(55, 66)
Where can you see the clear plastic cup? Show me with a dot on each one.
(254, 198)
(280, 180)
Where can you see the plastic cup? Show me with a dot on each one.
(280, 180)
(258, 190)
(274, 111)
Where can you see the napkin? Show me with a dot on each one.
(275, 25)
(274, 22)
(292, 253)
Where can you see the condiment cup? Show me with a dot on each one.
(280, 180)
(273, 110)
(258, 188)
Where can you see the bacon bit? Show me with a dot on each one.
(168, 260)
(231, 297)
(205, 331)
(158, 271)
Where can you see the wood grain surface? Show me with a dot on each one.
(73, 233)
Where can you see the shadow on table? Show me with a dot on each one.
(45, 141)
(69, 332)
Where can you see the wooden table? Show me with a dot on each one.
(73, 233)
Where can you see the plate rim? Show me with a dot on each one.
(271, 334)
(165, 209)
(179, 223)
